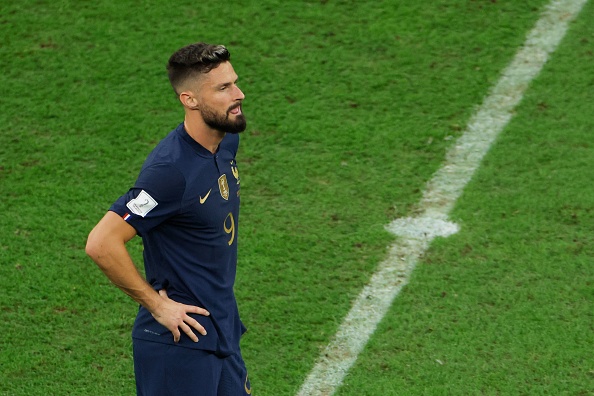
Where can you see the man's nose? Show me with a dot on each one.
(239, 94)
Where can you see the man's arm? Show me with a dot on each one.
(106, 246)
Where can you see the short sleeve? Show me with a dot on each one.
(156, 196)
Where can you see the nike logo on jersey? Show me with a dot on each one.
(202, 200)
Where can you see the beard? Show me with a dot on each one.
(222, 122)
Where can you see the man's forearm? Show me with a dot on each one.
(106, 245)
(120, 270)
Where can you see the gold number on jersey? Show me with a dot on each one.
(231, 228)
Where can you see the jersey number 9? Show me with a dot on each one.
(231, 229)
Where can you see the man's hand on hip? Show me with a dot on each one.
(174, 316)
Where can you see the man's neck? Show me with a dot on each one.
(207, 137)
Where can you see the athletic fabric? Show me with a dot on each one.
(185, 206)
(163, 370)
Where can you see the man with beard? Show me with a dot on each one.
(185, 206)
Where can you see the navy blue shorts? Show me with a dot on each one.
(163, 369)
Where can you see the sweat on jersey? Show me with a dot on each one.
(185, 206)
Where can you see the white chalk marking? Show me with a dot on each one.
(416, 233)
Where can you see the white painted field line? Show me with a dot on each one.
(416, 233)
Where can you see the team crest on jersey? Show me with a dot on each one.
(224, 187)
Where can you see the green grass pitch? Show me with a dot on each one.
(351, 107)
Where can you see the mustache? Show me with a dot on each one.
(234, 106)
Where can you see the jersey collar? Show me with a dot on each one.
(198, 148)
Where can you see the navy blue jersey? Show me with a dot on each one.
(185, 206)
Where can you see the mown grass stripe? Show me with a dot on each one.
(415, 234)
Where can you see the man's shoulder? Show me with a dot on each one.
(169, 150)
(172, 139)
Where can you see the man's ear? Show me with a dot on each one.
(188, 100)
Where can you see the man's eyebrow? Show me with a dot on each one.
(228, 83)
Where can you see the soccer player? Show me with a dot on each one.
(185, 206)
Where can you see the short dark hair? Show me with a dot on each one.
(198, 58)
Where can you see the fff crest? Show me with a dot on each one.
(224, 187)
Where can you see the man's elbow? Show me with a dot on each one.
(95, 246)
(108, 239)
